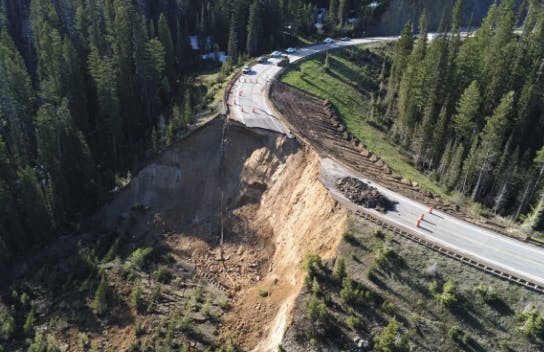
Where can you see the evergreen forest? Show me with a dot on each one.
(468, 107)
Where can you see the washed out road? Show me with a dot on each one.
(249, 104)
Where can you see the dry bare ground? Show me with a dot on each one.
(275, 211)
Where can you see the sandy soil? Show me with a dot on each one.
(275, 211)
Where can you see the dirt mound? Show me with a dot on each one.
(362, 194)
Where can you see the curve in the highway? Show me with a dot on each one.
(249, 104)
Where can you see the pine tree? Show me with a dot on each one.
(104, 74)
(233, 49)
(16, 101)
(333, 11)
(412, 84)
(492, 139)
(165, 37)
(340, 269)
(342, 12)
(100, 304)
(403, 48)
(254, 28)
(188, 110)
(455, 167)
(153, 73)
(498, 58)
(37, 223)
(468, 110)
(469, 165)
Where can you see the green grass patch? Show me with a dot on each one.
(347, 83)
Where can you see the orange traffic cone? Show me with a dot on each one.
(421, 217)
(430, 210)
(418, 223)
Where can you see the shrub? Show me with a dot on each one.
(389, 340)
(454, 332)
(136, 297)
(486, 293)
(137, 259)
(43, 344)
(24, 299)
(371, 271)
(316, 309)
(7, 322)
(196, 298)
(448, 297)
(349, 237)
(186, 322)
(383, 255)
(378, 233)
(433, 287)
(388, 307)
(139, 329)
(353, 322)
(155, 298)
(350, 293)
(312, 264)
(83, 341)
(162, 274)
(466, 338)
(224, 305)
(534, 323)
(503, 345)
(30, 321)
(100, 304)
(206, 309)
(263, 292)
(339, 272)
(316, 289)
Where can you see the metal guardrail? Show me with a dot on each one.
(452, 254)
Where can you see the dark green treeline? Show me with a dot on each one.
(470, 109)
(87, 87)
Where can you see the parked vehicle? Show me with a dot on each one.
(276, 54)
(346, 39)
(262, 60)
(246, 70)
(284, 61)
(328, 41)
(290, 50)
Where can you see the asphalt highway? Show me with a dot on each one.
(248, 102)
(495, 250)
(250, 105)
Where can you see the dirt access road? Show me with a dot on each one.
(497, 251)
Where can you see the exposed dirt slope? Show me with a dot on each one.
(316, 121)
(276, 211)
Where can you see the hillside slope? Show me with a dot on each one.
(401, 11)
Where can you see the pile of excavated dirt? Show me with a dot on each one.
(362, 194)
(316, 120)
(275, 212)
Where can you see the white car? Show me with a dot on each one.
(328, 41)
(246, 70)
(290, 50)
(276, 54)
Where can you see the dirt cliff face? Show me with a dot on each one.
(275, 211)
